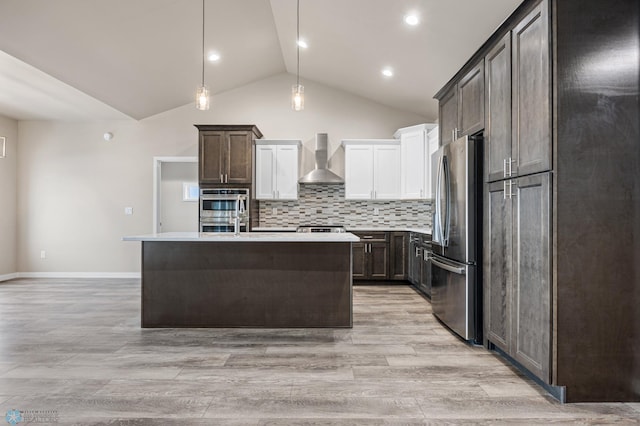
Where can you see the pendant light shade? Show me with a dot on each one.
(202, 94)
(297, 92)
(202, 98)
(297, 97)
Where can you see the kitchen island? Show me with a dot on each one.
(255, 279)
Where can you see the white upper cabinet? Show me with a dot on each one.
(417, 144)
(276, 169)
(372, 169)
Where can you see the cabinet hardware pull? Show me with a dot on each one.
(221, 178)
(504, 168)
(510, 162)
(504, 190)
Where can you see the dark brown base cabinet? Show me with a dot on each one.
(398, 255)
(561, 275)
(371, 256)
(380, 256)
(517, 312)
(419, 262)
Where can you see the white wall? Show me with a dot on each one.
(74, 186)
(8, 200)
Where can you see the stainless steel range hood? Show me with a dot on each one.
(321, 174)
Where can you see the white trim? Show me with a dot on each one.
(8, 277)
(157, 177)
(346, 142)
(427, 127)
(78, 275)
(278, 142)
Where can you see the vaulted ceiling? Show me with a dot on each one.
(106, 59)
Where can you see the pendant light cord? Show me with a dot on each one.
(298, 43)
(203, 42)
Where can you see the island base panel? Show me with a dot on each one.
(204, 284)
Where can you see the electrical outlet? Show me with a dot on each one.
(376, 211)
(128, 211)
(43, 254)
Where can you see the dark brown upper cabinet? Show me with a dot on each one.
(497, 101)
(471, 101)
(448, 113)
(225, 154)
(461, 108)
(531, 93)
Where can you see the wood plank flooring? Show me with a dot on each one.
(75, 348)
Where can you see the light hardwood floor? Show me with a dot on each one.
(75, 347)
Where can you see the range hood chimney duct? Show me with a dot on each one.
(321, 174)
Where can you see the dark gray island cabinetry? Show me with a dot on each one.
(251, 280)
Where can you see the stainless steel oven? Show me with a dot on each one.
(219, 206)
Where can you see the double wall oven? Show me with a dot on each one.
(219, 207)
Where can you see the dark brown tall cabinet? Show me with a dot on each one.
(517, 213)
(225, 154)
(225, 159)
(562, 195)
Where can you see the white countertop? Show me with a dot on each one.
(220, 237)
(349, 229)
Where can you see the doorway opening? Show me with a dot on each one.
(175, 182)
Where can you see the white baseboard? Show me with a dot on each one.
(77, 275)
(8, 277)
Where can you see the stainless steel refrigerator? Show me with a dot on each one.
(455, 275)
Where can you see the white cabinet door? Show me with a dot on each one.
(277, 172)
(386, 167)
(413, 151)
(286, 171)
(265, 173)
(358, 172)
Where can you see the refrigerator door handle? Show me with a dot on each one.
(446, 221)
(454, 269)
(436, 216)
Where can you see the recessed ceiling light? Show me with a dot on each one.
(213, 56)
(411, 19)
(302, 44)
(387, 72)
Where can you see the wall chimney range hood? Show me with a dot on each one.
(321, 174)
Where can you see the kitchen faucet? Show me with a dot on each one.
(240, 211)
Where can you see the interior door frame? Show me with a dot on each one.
(157, 180)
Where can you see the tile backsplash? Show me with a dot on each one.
(325, 204)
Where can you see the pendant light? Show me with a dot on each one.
(202, 94)
(297, 91)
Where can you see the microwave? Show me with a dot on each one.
(218, 209)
